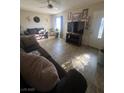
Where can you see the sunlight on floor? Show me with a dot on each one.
(78, 62)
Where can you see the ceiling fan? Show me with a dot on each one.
(50, 4)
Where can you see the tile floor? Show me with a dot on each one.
(82, 58)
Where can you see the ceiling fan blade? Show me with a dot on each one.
(43, 6)
(55, 8)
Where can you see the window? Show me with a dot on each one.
(58, 23)
(101, 29)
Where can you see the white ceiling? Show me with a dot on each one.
(61, 5)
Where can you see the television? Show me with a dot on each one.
(80, 28)
(76, 27)
(70, 27)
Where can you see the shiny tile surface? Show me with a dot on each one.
(83, 58)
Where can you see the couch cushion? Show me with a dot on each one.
(34, 30)
(38, 72)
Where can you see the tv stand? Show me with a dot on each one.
(74, 38)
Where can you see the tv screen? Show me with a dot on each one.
(76, 27)
(80, 27)
(70, 27)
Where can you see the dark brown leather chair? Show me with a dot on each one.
(70, 82)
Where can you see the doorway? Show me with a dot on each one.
(59, 26)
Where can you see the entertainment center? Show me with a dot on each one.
(75, 32)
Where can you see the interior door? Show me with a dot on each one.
(96, 22)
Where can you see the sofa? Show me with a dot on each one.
(37, 32)
(70, 82)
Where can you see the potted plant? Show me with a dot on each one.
(57, 32)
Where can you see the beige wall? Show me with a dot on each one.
(26, 20)
(96, 21)
(87, 33)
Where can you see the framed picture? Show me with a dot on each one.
(76, 16)
(85, 14)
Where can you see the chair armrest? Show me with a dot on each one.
(73, 82)
(28, 43)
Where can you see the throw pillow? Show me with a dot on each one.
(28, 40)
(38, 72)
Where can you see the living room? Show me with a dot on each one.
(46, 57)
(48, 21)
(48, 25)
